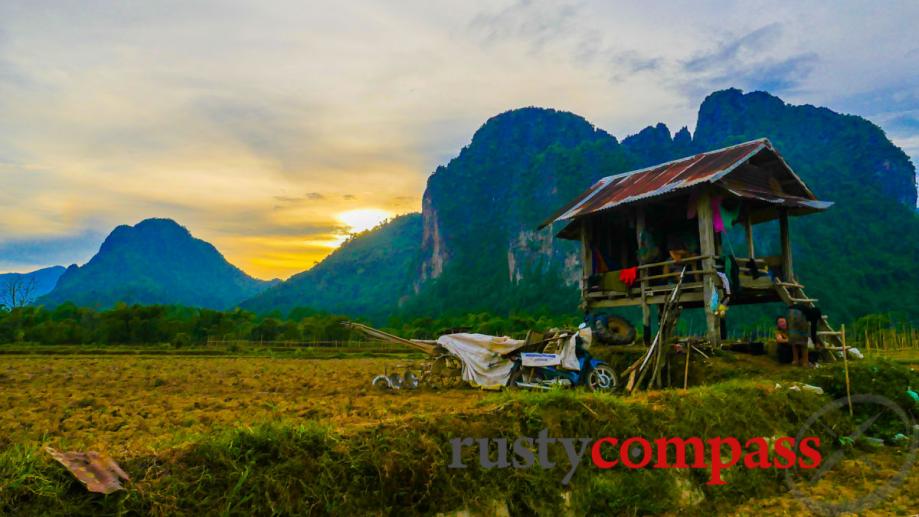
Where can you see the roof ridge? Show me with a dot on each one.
(763, 140)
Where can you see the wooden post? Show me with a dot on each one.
(586, 263)
(845, 361)
(645, 308)
(786, 246)
(707, 245)
(748, 226)
(686, 369)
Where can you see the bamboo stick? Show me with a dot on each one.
(845, 361)
(686, 371)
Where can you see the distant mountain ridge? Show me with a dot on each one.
(480, 250)
(155, 261)
(33, 284)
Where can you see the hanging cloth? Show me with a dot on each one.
(725, 283)
(628, 276)
(716, 214)
(731, 267)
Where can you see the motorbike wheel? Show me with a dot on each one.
(602, 378)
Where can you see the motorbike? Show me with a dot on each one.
(594, 374)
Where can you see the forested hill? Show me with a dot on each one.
(366, 276)
(862, 255)
(157, 261)
(480, 251)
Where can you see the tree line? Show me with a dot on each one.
(187, 326)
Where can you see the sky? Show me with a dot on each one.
(273, 129)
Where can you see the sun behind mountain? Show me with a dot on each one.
(362, 219)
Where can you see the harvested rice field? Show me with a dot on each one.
(129, 405)
(263, 435)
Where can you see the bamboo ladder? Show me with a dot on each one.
(792, 293)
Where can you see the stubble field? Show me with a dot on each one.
(266, 435)
(129, 405)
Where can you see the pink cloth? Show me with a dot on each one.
(716, 214)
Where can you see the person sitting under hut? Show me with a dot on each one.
(781, 338)
(798, 332)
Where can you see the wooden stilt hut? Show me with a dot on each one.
(640, 228)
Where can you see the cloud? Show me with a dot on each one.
(23, 255)
(748, 61)
(729, 52)
(244, 121)
(537, 23)
(782, 75)
(274, 128)
(309, 196)
(628, 63)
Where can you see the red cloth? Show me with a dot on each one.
(628, 275)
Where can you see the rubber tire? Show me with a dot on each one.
(594, 384)
(618, 331)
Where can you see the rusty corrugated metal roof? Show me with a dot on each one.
(660, 179)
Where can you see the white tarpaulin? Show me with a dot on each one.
(569, 358)
(483, 356)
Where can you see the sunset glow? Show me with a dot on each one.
(298, 125)
(363, 219)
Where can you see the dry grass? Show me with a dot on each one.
(322, 439)
(128, 405)
(854, 479)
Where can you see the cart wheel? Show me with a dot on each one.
(382, 383)
(602, 378)
(410, 380)
(395, 381)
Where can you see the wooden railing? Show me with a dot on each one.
(657, 278)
